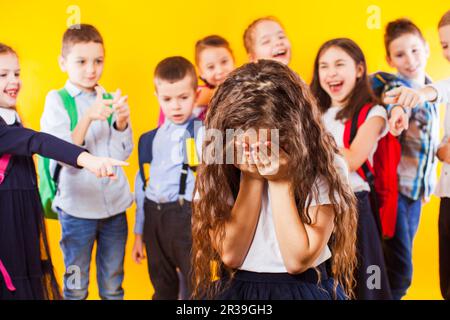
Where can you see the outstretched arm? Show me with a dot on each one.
(26, 142)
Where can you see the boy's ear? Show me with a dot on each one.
(360, 71)
(389, 61)
(251, 58)
(62, 63)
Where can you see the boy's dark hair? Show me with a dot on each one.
(213, 41)
(249, 37)
(445, 20)
(174, 69)
(398, 28)
(80, 33)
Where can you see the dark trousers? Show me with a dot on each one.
(444, 247)
(372, 282)
(168, 242)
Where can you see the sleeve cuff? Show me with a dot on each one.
(438, 89)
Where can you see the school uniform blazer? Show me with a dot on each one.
(443, 90)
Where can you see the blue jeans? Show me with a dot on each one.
(78, 237)
(398, 250)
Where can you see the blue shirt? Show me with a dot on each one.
(165, 170)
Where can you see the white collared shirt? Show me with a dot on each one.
(9, 115)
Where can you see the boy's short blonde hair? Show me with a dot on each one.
(249, 37)
(445, 20)
(174, 69)
(81, 33)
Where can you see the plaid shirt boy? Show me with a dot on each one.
(417, 168)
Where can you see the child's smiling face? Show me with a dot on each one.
(10, 83)
(444, 36)
(270, 42)
(215, 64)
(84, 64)
(408, 54)
(177, 99)
(338, 74)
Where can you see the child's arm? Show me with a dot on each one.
(121, 142)
(438, 92)
(100, 110)
(26, 142)
(442, 89)
(300, 244)
(398, 120)
(366, 138)
(408, 97)
(241, 227)
(138, 247)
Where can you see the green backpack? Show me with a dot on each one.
(48, 181)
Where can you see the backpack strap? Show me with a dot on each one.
(4, 162)
(108, 95)
(366, 170)
(70, 106)
(351, 128)
(6, 277)
(145, 153)
(190, 156)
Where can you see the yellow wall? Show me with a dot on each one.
(138, 34)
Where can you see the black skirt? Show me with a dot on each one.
(24, 249)
(246, 285)
(370, 254)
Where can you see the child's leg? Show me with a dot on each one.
(414, 218)
(157, 238)
(398, 250)
(111, 242)
(183, 247)
(444, 247)
(78, 237)
(371, 275)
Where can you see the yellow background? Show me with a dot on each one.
(138, 34)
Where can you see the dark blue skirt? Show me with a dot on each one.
(246, 285)
(370, 255)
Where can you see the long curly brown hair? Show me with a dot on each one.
(268, 94)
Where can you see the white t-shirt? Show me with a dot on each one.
(337, 128)
(264, 254)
